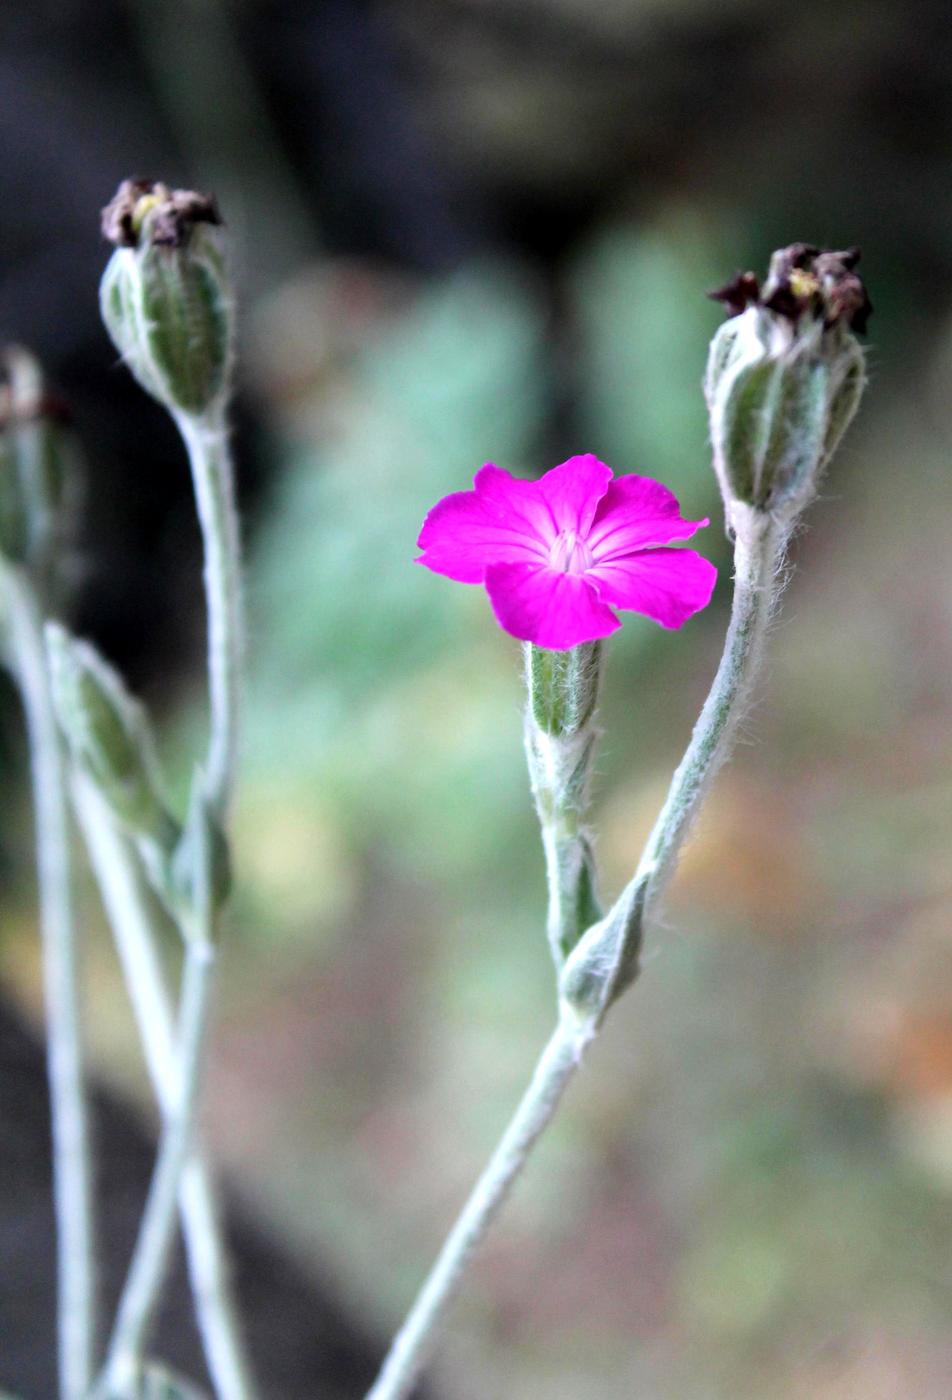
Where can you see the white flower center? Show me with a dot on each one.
(570, 554)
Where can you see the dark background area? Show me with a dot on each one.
(483, 229)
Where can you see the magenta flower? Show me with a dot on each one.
(558, 554)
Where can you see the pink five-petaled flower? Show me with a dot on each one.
(558, 554)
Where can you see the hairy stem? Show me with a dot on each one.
(157, 1229)
(72, 1171)
(206, 439)
(599, 973)
(413, 1342)
(132, 918)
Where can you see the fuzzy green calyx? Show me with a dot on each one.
(165, 296)
(560, 739)
(108, 735)
(785, 376)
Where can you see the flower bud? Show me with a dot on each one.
(605, 961)
(37, 463)
(165, 296)
(784, 378)
(108, 735)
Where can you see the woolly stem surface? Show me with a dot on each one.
(413, 1342)
(206, 439)
(131, 915)
(157, 1229)
(72, 1170)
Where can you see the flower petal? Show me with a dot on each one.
(500, 521)
(669, 585)
(635, 512)
(547, 607)
(573, 490)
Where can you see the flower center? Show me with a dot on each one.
(570, 554)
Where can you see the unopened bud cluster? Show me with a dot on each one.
(784, 377)
(165, 296)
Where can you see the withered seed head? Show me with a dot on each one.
(741, 291)
(804, 279)
(174, 214)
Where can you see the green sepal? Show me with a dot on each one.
(169, 312)
(109, 736)
(780, 399)
(606, 960)
(563, 687)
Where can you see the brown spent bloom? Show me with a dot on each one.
(174, 214)
(804, 278)
(24, 397)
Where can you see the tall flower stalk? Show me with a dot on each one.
(784, 380)
(33, 468)
(167, 304)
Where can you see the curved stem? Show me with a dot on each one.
(130, 914)
(411, 1346)
(758, 556)
(206, 439)
(157, 1230)
(72, 1172)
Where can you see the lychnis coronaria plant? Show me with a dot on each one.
(560, 557)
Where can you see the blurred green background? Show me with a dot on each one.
(468, 231)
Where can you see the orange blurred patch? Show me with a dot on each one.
(744, 861)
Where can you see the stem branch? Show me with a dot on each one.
(72, 1171)
(157, 1229)
(131, 916)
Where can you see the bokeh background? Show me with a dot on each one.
(469, 230)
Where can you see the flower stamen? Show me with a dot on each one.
(570, 554)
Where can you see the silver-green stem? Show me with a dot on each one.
(413, 1342)
(603, 971)
(157, 1230)
(131, 915)
(206, 438)
(758, 558)
(72, 1171)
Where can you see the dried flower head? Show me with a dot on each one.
(784, 377)
(172, 214)
(803, 280)
(165, 296)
